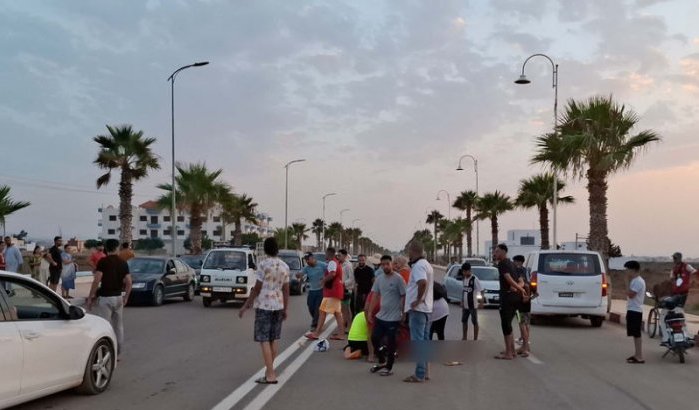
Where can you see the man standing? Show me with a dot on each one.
(391, 288)
(13, 256)
(126, 253)
(524, 309)
(510, 297)
(110, 279)
(314, 272)
(634, 310)
(364, 280)
(97, 255)
(348, 282)
(2, 255)
(270, 298)
(681, 278)
(418, 305)
(333, 292)
(53, 257)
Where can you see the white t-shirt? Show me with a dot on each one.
(332, 266)
(421, 270)
(348, 275)
(635, 303)
(440, 309)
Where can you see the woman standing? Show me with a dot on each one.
(440, 311)
(68, 273)
(35, 263)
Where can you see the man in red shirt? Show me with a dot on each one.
(97, 255)
(681, 278)
(333, 293)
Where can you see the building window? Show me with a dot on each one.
(217, 232)
(153, 233)
(526, 240)
(204, 233)
(166, 218)
(167, 232)
(232, 234)
(180, 232)
(112, 217)
(154, 219)
(180, 218)
(143, 232)
(143, 218)
(217, 219)
(111, 231)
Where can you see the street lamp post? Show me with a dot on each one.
(478, 225)
(448, 200)
(342, 212)
(173, 211)
(324, 223)
(524, 80)
(286, 203)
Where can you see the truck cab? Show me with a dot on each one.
(227, 274)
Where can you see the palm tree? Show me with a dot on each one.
(299, 230)
(198, 191)
(238, 209)
(8, 206)
(491, 206)
(354, 234)
(466, 201)
(281, 233)
(454, 231)
(594, 140)
(129, 152)
(317, 229)
(433, 218)
(537, 192)
(333, 232)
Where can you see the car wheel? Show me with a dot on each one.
(99, 369)
(189, 296)
(596, 321)
(157, 299)
(206, 302)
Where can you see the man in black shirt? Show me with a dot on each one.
(511, 292)
(111, 278)
(364, 280)
(53, 256)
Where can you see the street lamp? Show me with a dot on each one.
(448, 200)
(355, 220)
(173, 211)
(324, 223)
(524, 80)
(286, 203)
(478, 225)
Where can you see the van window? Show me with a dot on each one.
(229, 260)
(569, 264)
(293, 261)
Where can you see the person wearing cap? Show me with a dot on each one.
(681, 276)
(634, 310)
(314, 271)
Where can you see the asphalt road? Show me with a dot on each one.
(184, 356)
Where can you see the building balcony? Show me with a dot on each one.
(153, 226)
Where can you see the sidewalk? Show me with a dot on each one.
(618, 315)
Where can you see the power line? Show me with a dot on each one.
(60, 186)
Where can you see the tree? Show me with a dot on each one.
(198, 191)
(206, 243)
(424, 237)
(317, 229)
(149, 245)
(594, 140)
(333, 233)
(92, 243)
(491, 206)
(249, 239)
(454, 233)
(466, 201)
(8, 206)
(537, 192)
(279, 236)
(238, 209)
(129, 152)
(433, 218)
(299, 230)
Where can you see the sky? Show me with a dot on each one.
(380, 97)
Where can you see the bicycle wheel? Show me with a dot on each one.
(652, 323)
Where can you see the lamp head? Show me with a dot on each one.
(199, 64)
(459, 168)
(522, 80)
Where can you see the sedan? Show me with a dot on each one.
(488, 276)
(158, 278)
(195, 262)
(49, 345)
(297, 282)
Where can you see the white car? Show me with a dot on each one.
(227, 274)
(569, 283)
(48, 345)
(476, 261)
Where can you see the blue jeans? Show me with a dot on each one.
(313, 302)
(419, 323)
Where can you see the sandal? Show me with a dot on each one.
(311, 336)
(633, 360)
(503, 357)
(413, 379)
(263, 380)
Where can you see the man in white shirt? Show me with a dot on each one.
(634, 310)
(418, 305)
(13, 257)
(348, 281)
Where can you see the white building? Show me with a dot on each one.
(150, 221)
(519, 242)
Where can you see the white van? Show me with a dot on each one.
(227, 274)
(569, 283)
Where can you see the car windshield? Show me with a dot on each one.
(293, 261)
(142, 265)
(569, 264)
(476, 262)
(228, 260)
(485, 273)
(193, 261)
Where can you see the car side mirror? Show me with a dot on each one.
(75, 312)
(171, 271)
(201, 263)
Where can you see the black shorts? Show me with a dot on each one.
(469, 313)
(634, 323)
(268, 325)
(54, 276)
(525, 307)
(355, 345)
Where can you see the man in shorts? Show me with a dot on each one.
(524, 309)
(511, 292)
(53, 256)
(634, 310)
(333, 292)
(470, 301)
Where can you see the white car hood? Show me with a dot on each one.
(490, 285)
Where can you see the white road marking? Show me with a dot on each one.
(271, 389)
(238, 394)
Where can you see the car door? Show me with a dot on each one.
(453, 284)
(184, 277)
(12, 353)
(170, 277)
(52, 345)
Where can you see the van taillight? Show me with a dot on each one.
(533, 282)
(605, 285)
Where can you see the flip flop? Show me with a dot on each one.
(263, 380)
(413, 379)
(633, 360)
(311, 336)
(336, 337)
(503, 357)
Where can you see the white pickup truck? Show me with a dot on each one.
(227, 274)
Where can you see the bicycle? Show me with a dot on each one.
(652, 323)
